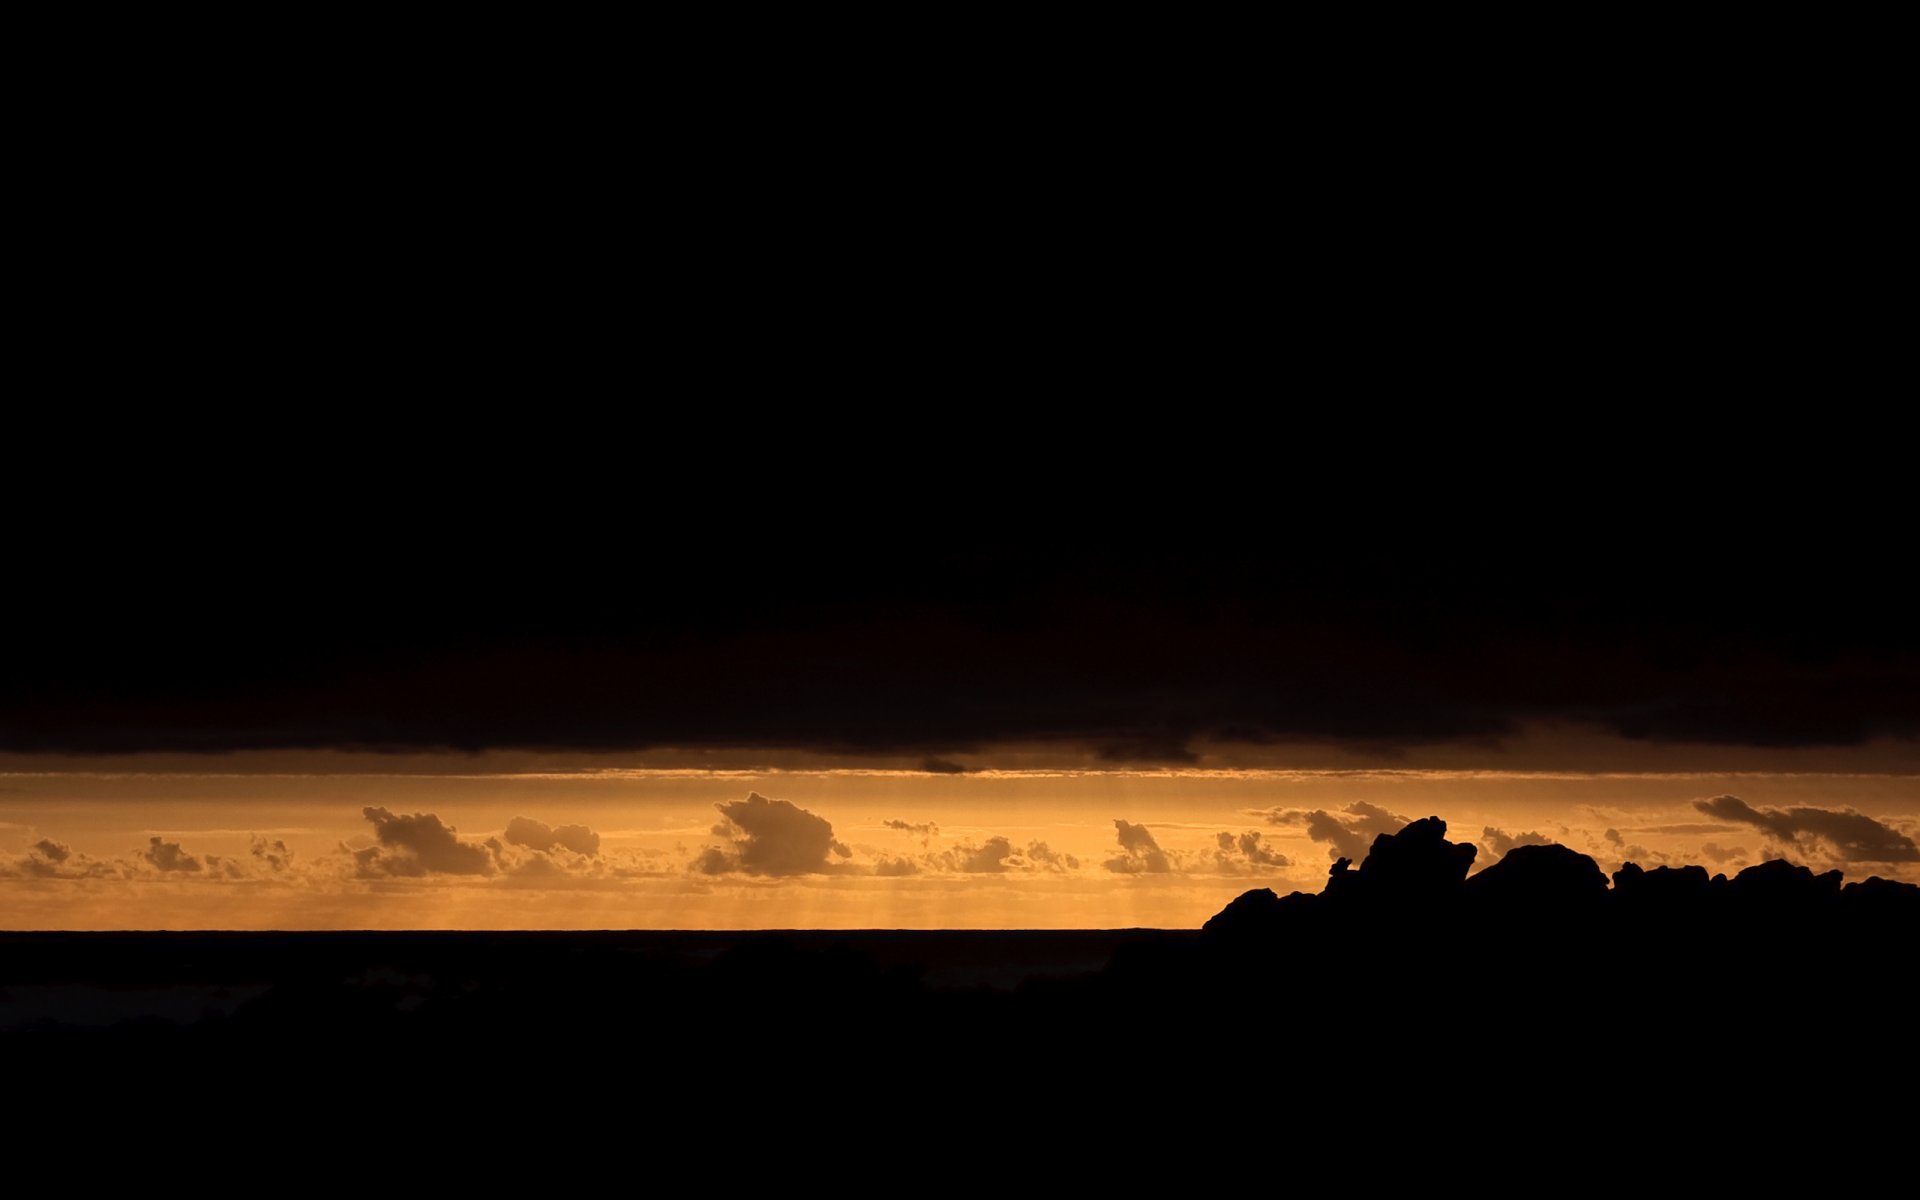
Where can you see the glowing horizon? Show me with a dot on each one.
(849, 846)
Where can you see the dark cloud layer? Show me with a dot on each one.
(1853, 837)
(1139, 633)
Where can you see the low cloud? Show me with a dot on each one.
(988, 858)
(48, 859)
(925, 829)
(270, 853)
(942, 766)
(1731, 854)
(44, 859)
(998, 855)
(1498, 841)
(1348, 833)
(770, 837)
(1613, 835)
(419, 844)
(1045, 859)
(1247, 852)
(1852, 836)
(1139, 853)
(1637, 853)
(538, 835)
(167, 856)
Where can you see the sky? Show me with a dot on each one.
(1041, 674)
(265, 840)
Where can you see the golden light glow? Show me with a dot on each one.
(237, 843)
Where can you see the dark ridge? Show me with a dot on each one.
(1528, 1004)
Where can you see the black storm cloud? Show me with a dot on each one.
(1088, 597)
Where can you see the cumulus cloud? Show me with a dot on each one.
(270, 853)
(419, 844)
(1139, 853)
(1498, 841)
(1636, 853)
(1853, 836)
(1613, 835)
(1247, 852)
(1230, 854)
(1347, 833)
(770, 837)
(42, 861)
(1730, 854)
(924, 829)
(538, 835)
(987, 858)
(996, 855)
(168, 856)
(1045, 859)
(48, 859)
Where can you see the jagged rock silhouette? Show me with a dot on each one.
(1417, 862)
(1531, 876)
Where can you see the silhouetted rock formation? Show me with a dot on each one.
(1531, 877)
(1248, 911)
(1416, 863)
(1781, 884)
(1671, 885)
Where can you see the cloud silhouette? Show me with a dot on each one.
(924, 829)
(941, 766)
(538, 835)
(52, 851)
(1732, 854)
(419, 844)
(1614, 836)
(1139, 853)
(770, 837)
(1347, 834)
(168, 856)
(1854, 837)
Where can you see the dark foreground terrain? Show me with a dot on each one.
(1529, 1013)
